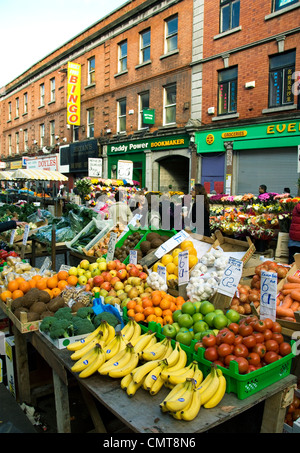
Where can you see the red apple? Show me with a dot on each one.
(143, 275)
(134, 272)
(122, 274)
(98, 280)
(111, 265)
(106, 286)
(91, 282)
(114, 280)
(139, 266)
(119, 265)
(107, 276)
(130, 266)
(113, 272)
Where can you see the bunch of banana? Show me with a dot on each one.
(104, 335)
(93, 362)
(158, 351)
(131, 331)
(214, 389)
(180, 399)
(114, 346)
(121, 364)
(128, 384)
(176, 375)
(143, 341)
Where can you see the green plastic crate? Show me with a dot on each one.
(245, 385)
(123, 238)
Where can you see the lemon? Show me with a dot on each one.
(170, 267)
(172, 277)
(176, 251)
(154, 268)
(166, 259)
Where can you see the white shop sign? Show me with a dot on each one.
(95, 167)
(43, 163)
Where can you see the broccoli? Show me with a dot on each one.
(47, 323)
(82, 326)
(86, 313)
(64, 313)
(60, 328)
(105, 316)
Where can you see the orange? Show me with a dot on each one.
(138, 309)
(32, 283)
(56, 292)
(24, 286)
(131, 304)
(156, 297)
(6, 295)
(157, 311)
(52, 282)
(165, 303)
(62, 284)
(159, 320)
(20, 280)
(17, 293)
(12, 286)
(49, 292)
(179, 300)
(148, 311)
(151, 318)
(41, 283)
(131, 313)
(147, 302)
(72, 280)
(139, 317)
(173, 307)
(167, 313)
(168, 319)
(36, 277)
(62, 275)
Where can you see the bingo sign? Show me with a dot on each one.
(74, 88)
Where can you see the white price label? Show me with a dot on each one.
(111, 247)
(133, 256)
(12, 237)
(26, 232)
(268, 295)
(231, 277)
(183, 267)
(64, 267)
(46, 265)
(173, 242)
(162, 271)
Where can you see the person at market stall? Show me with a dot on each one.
(262, 189)
(11, 225)
(294, 234)
(119, 211)
(151, 218)
(199, 206)
(287, 190)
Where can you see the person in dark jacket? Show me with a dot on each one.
(10, 225)
(294, 234)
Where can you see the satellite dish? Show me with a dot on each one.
(45, 150)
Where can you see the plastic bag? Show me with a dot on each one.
(99, 307)
(76, 222)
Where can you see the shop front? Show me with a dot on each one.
(264, 153)
(158, 163)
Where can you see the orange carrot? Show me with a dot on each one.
(285, 292)
(287, 301)
(291, 286)
(278, 301)
(282, 311)
(293, 279)
(287, 318)
(296, 295)
(295, 306)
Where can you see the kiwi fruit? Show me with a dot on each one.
(152, 236)
(38, 307)
(145, 246)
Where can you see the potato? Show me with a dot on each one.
(56, 303)
(38, 307)
(17, 303)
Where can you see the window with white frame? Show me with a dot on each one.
(280, 4)
(17, 143)
(25, 102)
(171, 34)
(42, 134)
(42, 94)
(9, 146)
(25, 137)
(9, 111)
(52, 89)
(52, 133)
(91, 71)
(17, 107)
(122, 56)
(122, 115)
(229, 14)
(143, 105)
(282, 68)
(90, 123)
(170, 104)
(145, 41)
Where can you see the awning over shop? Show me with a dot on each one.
(41, 175)
(5, 175)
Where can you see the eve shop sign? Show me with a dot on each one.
(74, 87)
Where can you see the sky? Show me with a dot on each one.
(31, 29)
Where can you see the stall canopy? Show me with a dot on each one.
(5, 175)
(41, 175)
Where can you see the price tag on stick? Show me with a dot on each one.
(26, 232)
(12, 237)
(133, 256)
(173, 242)
(183, 268)
(268, 295)
(162, 271)
(231, 277)
(111, 247)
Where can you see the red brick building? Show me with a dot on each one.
(137, 58)
(247, 68)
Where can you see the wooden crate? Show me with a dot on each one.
(21, 324)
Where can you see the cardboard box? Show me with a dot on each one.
(282, 250)
(62, 343)
(9, 362)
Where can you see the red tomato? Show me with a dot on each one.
(218, 362)
(228, 359)
(276, 327)
(228, 337)
(259, 337)
(209, 340)
(241, 350)
(285, 349)
(260, 349)
(224, 349)
(269, 323)
(245, 330)
(249, 341)
(251, 368)
(211, 354)
(238, 340)
(259, 326)
(270, 357)
(251, 318)
(268, 334)
(278, 337)
(234, 327)
(272, 345)
(243, 365)
(253, 359)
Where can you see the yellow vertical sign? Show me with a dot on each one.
(74, 88)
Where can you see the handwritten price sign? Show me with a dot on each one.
(268, 294)
(173, 242)
(161, 270)
(183, 267)
(231, 277)
(111, 247)
(133, 256)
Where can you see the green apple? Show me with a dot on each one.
(73, 271)
(218, 311)
(176, 326)
(197, 305)
(200, 326)
(220, 321)
(206, 307)
(169, 331)
(95, 272)
(188, 308)
(209, 318)
(176, 314)
(185, 320)
(82, 280)
(197, 317)
(233, 315)
(184, 338)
